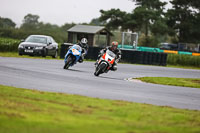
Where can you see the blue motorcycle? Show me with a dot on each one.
(72, 56)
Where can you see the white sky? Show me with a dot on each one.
(60, 11)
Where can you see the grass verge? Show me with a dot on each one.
(15, 54)
(23, 110)
(184, 67)
(183, 60)
(185, 82)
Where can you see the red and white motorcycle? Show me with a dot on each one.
(105, 62)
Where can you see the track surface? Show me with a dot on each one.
(48, 75)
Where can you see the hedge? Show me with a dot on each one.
(9, 45)
(183, 60)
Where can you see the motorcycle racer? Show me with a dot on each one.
(83, 44)
(115, 50)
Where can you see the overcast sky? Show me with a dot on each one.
(60, 11)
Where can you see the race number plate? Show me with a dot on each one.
(28, 51)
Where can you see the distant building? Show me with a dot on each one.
(96, 35)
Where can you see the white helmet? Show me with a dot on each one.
(84, 41)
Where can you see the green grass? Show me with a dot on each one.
(186, 82)
(183, 60)
(184, 67)
(15, 54)
(8, 44)
(23, 110)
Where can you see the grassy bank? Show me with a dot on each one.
(9, 44)
(34, 111)
(183, 60)
(185, 82)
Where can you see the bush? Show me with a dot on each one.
(183, 60)
(149, 41)
(9, 45)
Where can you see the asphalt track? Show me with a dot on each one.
(49, 75)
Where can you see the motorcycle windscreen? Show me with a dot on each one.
(109, 56)
(77, 47)
(110, 53)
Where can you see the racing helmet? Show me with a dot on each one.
(84, 41)
(114, 45)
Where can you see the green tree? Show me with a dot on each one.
(6, 23)
(130, 23)
(30, 22)
(53, 30)
(67, 26)
(113, 18)
(149, 15)
(183, 19)
(97, 22)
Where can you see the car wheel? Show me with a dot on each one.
(44, 53)
(56, 54)
(20, 54)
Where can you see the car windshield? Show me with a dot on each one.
(36, 39)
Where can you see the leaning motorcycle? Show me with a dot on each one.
(72, 56)
(105, 63)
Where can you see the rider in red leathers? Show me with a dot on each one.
(115, 50)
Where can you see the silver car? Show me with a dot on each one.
(38, 45)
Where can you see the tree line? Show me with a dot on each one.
(180, 24)
(150, 19)
(31, 25)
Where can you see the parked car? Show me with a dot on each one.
(168, 46)
(38, 45)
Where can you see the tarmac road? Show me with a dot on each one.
(49, 75)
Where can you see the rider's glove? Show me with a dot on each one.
(117, 60)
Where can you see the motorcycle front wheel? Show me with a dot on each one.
(100, 69)
(68, 62)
